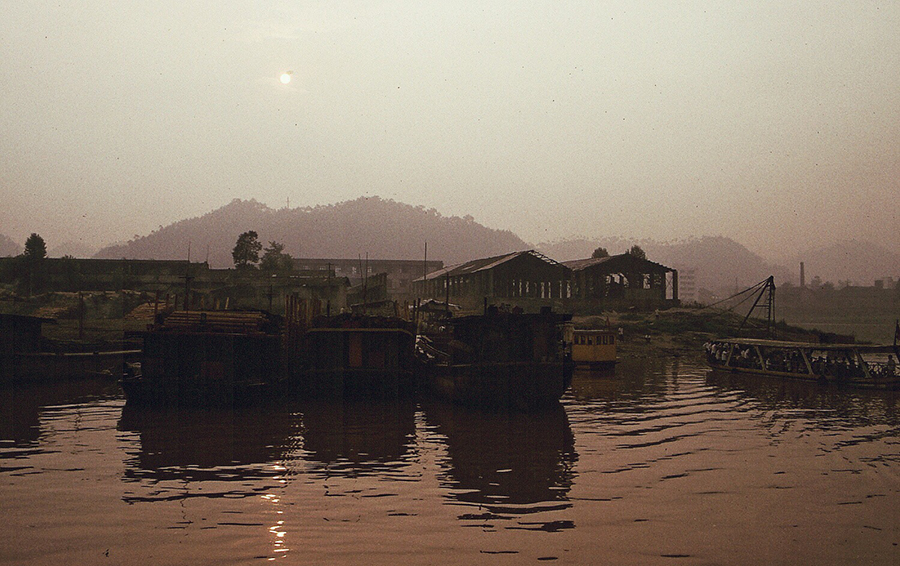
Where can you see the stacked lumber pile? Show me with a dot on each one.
(232, 322)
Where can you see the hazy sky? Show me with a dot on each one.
(774, 122)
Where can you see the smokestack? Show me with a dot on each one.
(802, 276)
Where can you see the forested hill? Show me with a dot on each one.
(384, 229)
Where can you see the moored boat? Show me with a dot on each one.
(26, 356)
(353, 355)
(858, 365)
(595, 348)
(499, 358)
(206, 357)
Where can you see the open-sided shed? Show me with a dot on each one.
(526, 274)
(622, 276)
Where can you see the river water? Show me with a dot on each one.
(663, 462)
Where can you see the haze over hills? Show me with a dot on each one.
(388, 229)
(74, 249)
(384, 229)
(8, 247)
(850, 260)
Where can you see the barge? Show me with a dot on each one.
(197, 358)
(499, 359)
(352, 355)
(26, 356)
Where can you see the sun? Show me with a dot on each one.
(286, 77)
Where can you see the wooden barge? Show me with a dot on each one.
(207, 357)
(353, 355)
(857, 365)
(499, 358)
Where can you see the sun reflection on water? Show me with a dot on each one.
(279, 545)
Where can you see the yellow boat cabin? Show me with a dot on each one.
(596, 348)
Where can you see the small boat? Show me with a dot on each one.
(354, 355)
(206, 358)
(857, 365)
(499, 358)
(594, 348)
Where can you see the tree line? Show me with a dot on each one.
(635, 251)
(246, 255)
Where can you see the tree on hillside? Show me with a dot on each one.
(35, 248)
(246, 250)
(275, 260)
(599, 253)
(637, 252)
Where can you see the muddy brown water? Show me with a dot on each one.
(663, 462)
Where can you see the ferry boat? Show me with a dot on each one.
(594, 348)
(516, 360)
(857, 365)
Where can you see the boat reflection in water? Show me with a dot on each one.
(357, 437)
(209, 452)
(506, 463)
(828, 407)
(22, 404)
(258, 442)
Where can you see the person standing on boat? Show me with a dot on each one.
(890, 367)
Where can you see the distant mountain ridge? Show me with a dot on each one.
(8, 247)
(381, 228)
(386, 229)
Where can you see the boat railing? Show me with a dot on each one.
(832, 362)
(881, 369)
(425, 345)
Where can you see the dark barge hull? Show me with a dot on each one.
(197, 393)
(207, 358)
(353, 356)
(41, 366)
(350, 382)
(520, 385)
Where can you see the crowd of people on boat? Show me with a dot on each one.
(886, 369)
(741, 356)
(840, 365)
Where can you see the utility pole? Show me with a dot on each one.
(187, 291)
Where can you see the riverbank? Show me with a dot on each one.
(677, 332)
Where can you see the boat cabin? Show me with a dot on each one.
(596, 348)
(21, 333)
(352, 354)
